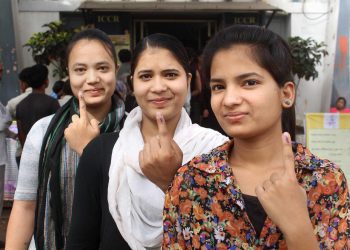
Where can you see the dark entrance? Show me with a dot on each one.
(192, 33)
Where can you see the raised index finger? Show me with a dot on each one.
(288, 154)
(82, 107)
(162, 128)
(164, 136)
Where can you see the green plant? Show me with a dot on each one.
(307, 54)
(49, 47)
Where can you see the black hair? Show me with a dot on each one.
(24, 74)
(38, 76)
(67, 90)
(341, 98)
(268, 49)
(92, 34)
(57, 86)
(124, 55)
(164, 41)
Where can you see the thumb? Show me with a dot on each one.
(288, 155)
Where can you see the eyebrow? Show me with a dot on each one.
(143, 71)
(97, 64)
(239, 77)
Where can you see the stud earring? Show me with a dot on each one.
(287, 102)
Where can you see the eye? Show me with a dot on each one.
(145, 77)
(250, 83)
(216, 87)
(79, 70)
(171, 75)
(103, 68)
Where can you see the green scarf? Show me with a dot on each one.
(49, 194)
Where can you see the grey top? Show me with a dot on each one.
(27, 183)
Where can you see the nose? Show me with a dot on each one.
(158, 85)
(232, 96)
(92, 77)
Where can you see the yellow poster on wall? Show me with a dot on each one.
(328, 136)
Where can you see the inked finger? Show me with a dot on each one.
(288, 155)
(82, 107)
(164, 136)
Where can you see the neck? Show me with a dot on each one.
(99, 112)
(39, 90)
(149, 128)
(260, 152)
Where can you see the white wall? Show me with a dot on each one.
(315, 96)
(27, 24)
(317, 19)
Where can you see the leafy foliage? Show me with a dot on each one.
(307, 54)
(49, 46)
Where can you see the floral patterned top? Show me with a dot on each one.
(204, 208)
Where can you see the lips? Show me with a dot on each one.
(235, 116)
(159, 101)
(94, 92)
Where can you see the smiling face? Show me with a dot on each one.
(245, 98)
(160, 84)
(92, 71)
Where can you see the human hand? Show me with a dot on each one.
(161, 156)
(82, 130)
(285, 201)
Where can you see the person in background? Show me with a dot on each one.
(66, 93)
(37, 104)
(5, 121)
(25, 91)
(12, 105)
(124, 56)
(254, 192)
(123, 73)
(195, 88)
(122, 177)
(57, 89)
(340, 106)
(44, 194)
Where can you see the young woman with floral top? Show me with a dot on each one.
(261, 190)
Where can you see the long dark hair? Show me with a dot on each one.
(268, 49)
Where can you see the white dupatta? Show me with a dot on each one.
(135, 203)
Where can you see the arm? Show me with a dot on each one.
(21, 135)
(285, 202)
(85, 225)
(335, 220)
(21, 225)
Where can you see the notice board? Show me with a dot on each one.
(328, 137)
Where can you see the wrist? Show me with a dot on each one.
(301, 236)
